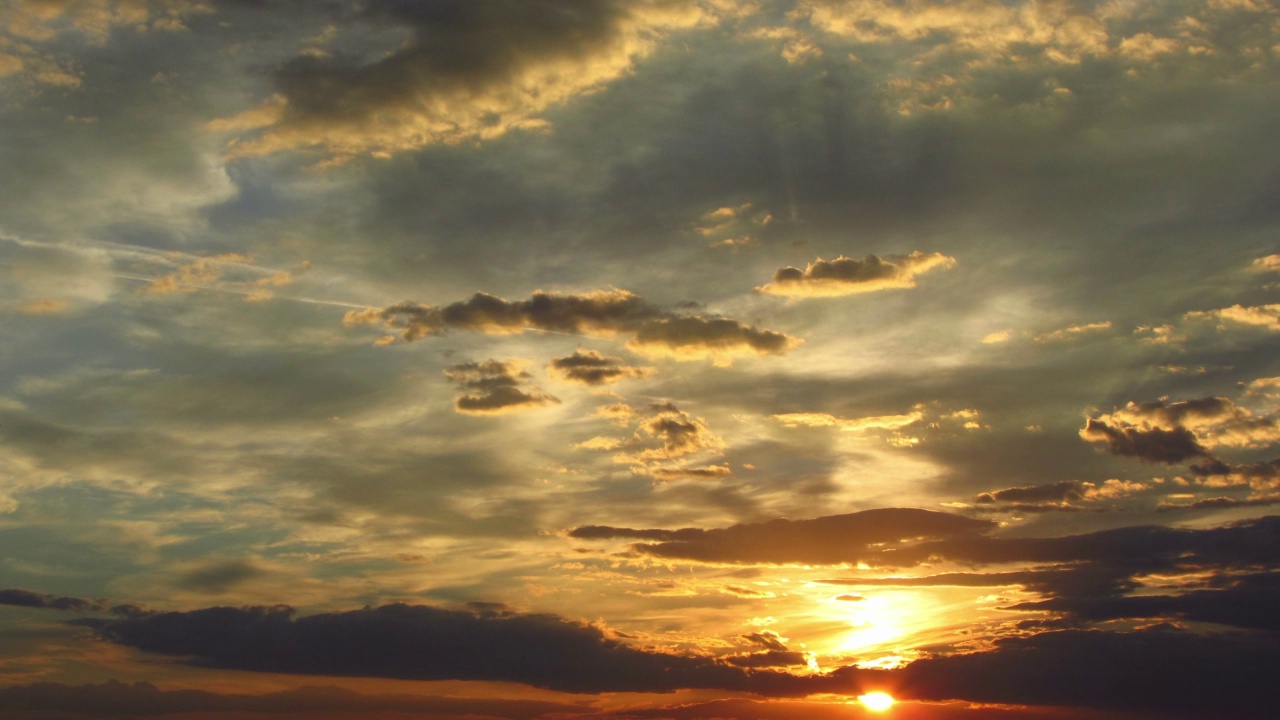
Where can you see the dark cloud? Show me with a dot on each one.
(1172, 673)
(767, 639)
(419, 642)
(27, 598)
(835, 539)
(1061, 491)
(601, 312)
(1261, 476)
(117, 699)
(494, 386)
(604, 313)
(1215, 503)
(1246, 601)
(768, 658)
(847, 276)
(466, 71)
(693, 337)
(219, 577)
(593, 368)
(1155, 445)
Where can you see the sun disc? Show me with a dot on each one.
(877, 701)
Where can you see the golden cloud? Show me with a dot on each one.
(848, 276)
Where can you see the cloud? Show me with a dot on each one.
(1059, 495)
(27, 598)
(192, 276)
(43, 307)
(1268, 263)
(466, 71)
(847, 276)
(117, 699)
(873, 422)
(219, 576)
(494, 386)
(589, 367)
(1170, 672)
(1261, 476)
(1215, 421)
(988, 29)
(1267, 316)
(696, 337)
(871, 536)
(1073, 332)
(709, 472)
(667, 433)
(418, 642)
(601, 313)
(1155, 445)
(1063, 491)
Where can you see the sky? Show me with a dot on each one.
(621, 359)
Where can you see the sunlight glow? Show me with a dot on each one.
(877, 701)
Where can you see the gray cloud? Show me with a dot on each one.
(27, 598)
(494, 386)
(603, 313)
(466, 72)
(589, 367)
(1155, 445)
(848, 276)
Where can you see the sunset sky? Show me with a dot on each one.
(622, 359)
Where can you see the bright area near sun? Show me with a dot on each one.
(877, 701)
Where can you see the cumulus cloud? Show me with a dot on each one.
(1262, 476)
(602, 313)
(494, 386)
(590, 367)
(1267, 316)
(1268, 263)
(1215, 421)
(467, 71)
(1151, 445)
(849, 276)
(871, 536)
(667, 433)
(1058, 496)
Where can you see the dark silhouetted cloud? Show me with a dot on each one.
(418, 642)
(27, 598)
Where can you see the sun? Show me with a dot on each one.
(877, 701)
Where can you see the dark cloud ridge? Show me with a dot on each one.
(418, 642)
